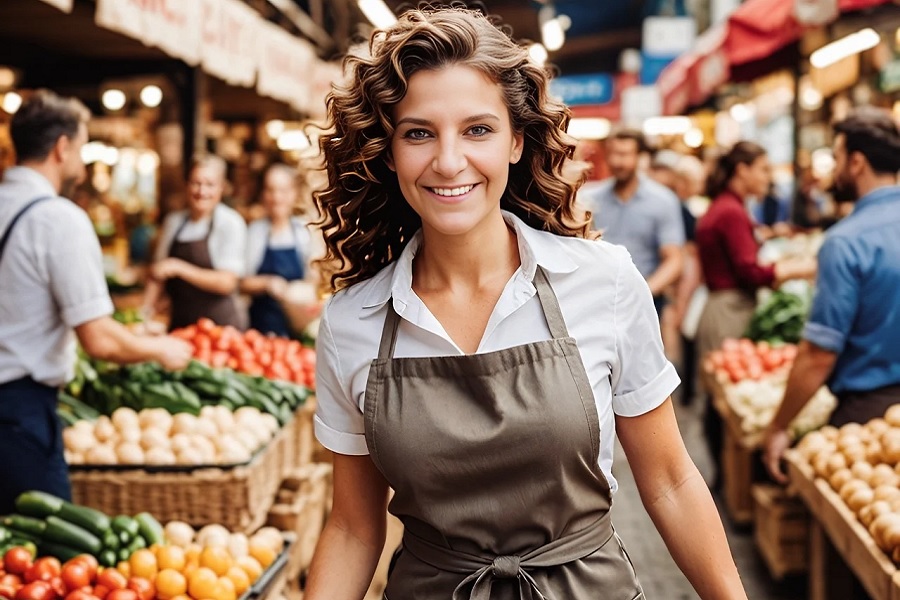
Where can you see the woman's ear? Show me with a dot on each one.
(518, 146)
(389, 161)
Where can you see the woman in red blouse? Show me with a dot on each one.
(728, 254)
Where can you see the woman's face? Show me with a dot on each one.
(756, 176)
(452, 146)
(204, 191)
(279, 194)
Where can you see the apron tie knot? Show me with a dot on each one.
(506, 567)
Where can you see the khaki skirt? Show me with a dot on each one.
(727, 315)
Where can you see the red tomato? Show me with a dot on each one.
(265, 359)
(88, 561)
(790, 352)
(717, 359)
(772, 360)
(8, 591)
(17, 560)
(101, 591)
(81, 595)
(730, 345)
(122, 595)
(59, 586)
(205, 325)
(76, 575)
(112, 580)
(10, 579)
(218, 359)
(43, 569)
(308, 355)
(36, 590)
(143, 587)
(233, 363)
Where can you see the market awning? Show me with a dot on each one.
(757, 31)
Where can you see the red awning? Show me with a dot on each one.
(755, 31)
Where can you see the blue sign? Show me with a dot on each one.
(652, 66)
(574, 90)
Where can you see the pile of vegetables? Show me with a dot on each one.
(154, 436)
(756, 401)
(61, 529)
(251, 352)
(780, 319)
(862, 464)
(742, 359)
(99, 388)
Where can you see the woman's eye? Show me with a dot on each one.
(479, 130)
(416, 134)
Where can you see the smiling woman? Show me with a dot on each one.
(481, 353)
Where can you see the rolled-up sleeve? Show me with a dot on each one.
(836, 302)
(339, 422)
(642, 377)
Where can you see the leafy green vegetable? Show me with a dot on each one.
(780, 319)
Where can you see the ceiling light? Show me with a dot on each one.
(151, 96)
(667, 125)
(538, 53)
(377, 12)
(741, 113)
(810, 97)
(7, 77)
(589, 128)
(274, 128)
(113, 99)
(553, 35)
(148, 162)
(862, 40)
(693, 137)
(92, 152)
(11, 102)
(292, 140)
(109, 155)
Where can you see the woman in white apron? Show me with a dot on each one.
(481, 353)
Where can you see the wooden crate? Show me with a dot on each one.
(846, 537)
(781, 530)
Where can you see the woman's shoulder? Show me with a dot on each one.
(351, 303)
(228, 216)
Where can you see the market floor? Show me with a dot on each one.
(660, 577)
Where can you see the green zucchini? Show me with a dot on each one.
(136, 544)
(123, 554)
(123, 538)
(150, 529)
(92, 520)
(108, 558)
(38, 504)
(69, 534)
(110, 540)
(63, 553)
(29, 525)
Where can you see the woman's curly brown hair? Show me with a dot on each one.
(365, 220)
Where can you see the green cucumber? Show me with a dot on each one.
(29, 525)
(22, 535)
(123, 554)
(69, 534)
(136, 544)
(63, 553)
(151, 530)
(38, 504)
(123, 538)
(108, 558)
(127, 524)
(92, 520)
(111, 540)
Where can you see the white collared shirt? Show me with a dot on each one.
(51, 280)
(605, 302)
(227, 240)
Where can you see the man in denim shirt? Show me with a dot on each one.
(852, 338)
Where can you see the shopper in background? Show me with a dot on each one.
(689, 182)
(728, 256)
(852, 338)
(632, 210)
(481, 354)
(53, 284)
(200, 254)
(279, 248)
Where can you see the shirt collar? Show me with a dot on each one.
(31, 178)
(878, 196)
(535, 248)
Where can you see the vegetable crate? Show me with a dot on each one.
(781, 530)
(237, 498)
(300, 507)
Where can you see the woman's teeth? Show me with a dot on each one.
(449, 192)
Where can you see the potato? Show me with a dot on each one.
(125, 418)
(847, 440)
(886, 493)
(850, 429)
(866, 516)
(839, 478)
(862, 470)
(883, 475)
(854, 453)
(877, 426)
(873, 452)
(829, 432)
(852, 486)
(820, 465)
(880, 524)
(836, 462)
(179, 533)
(892, 416)
(890, 446)
(860, 498)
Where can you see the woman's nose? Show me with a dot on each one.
(450, 159)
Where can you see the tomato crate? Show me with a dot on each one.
(237, 498)
(781, 530)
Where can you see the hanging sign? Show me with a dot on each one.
(815, 13)
(63, 5)
(285, 66)
(170, 25)
(230, 30)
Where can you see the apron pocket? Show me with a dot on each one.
(26, 438)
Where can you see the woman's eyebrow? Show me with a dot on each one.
(426, 122)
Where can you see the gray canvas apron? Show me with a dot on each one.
(493, 460)
(190, 303)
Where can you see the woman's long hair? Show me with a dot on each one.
(365, 220)
(742, 153)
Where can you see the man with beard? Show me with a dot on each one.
(633, 210)
(852, 338)
(52, 284)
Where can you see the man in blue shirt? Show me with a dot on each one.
(632, 210)
(852, 338)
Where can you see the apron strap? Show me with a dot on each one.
(389, 333)
(550, 304)
(15, 219)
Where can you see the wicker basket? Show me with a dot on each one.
(237, 498)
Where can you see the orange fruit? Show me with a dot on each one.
(251, 567)
(124, 568)
(224, 590)
(143, 564)
(264, 554)
(192, 554)
(171, 557)
(216, 558)
(169, 584)
(203, 583)
(181, 597)
(154, 548)
(239, 578)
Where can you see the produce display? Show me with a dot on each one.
(862, 464)
(780, 318)
(154, 436)
(100, 388)
(86, 555)
(754, 376)
(64, 530)
(251, 352)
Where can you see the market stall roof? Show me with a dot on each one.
(754, 40)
